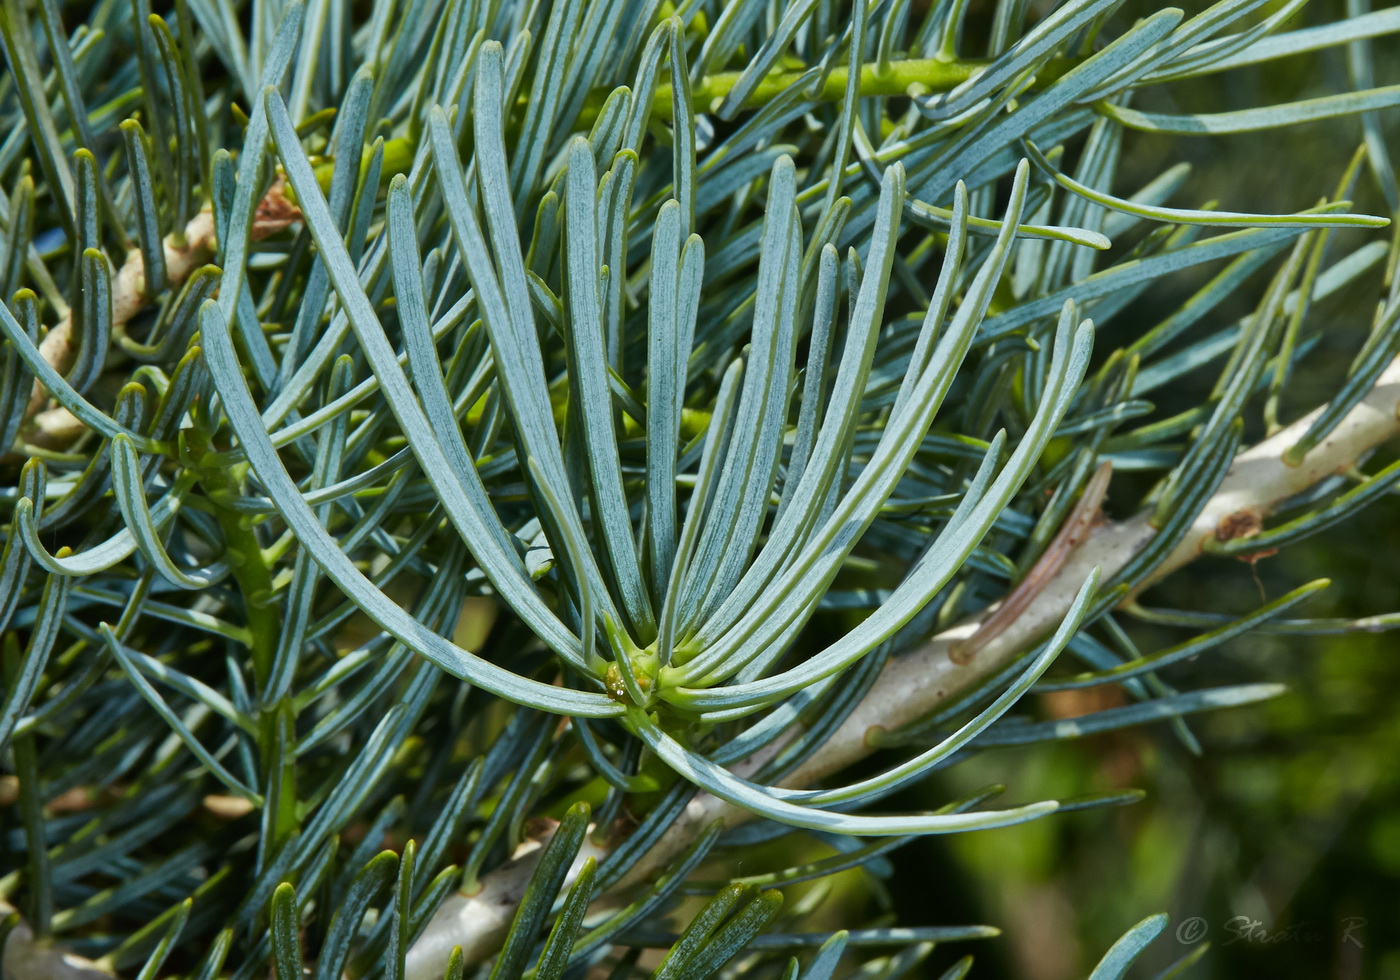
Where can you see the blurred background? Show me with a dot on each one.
(1280, 845)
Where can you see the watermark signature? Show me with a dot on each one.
(1246, 929)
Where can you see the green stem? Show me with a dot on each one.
(913, 76)
(252, 573)
(277, 724)
(899, 78)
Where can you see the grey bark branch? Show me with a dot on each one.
(26, 957)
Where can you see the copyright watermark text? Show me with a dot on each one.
(1247, 929)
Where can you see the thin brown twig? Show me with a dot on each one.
(1076, 526)
(182, 257)
(184, 254)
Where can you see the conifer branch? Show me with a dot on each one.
(918, 682)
